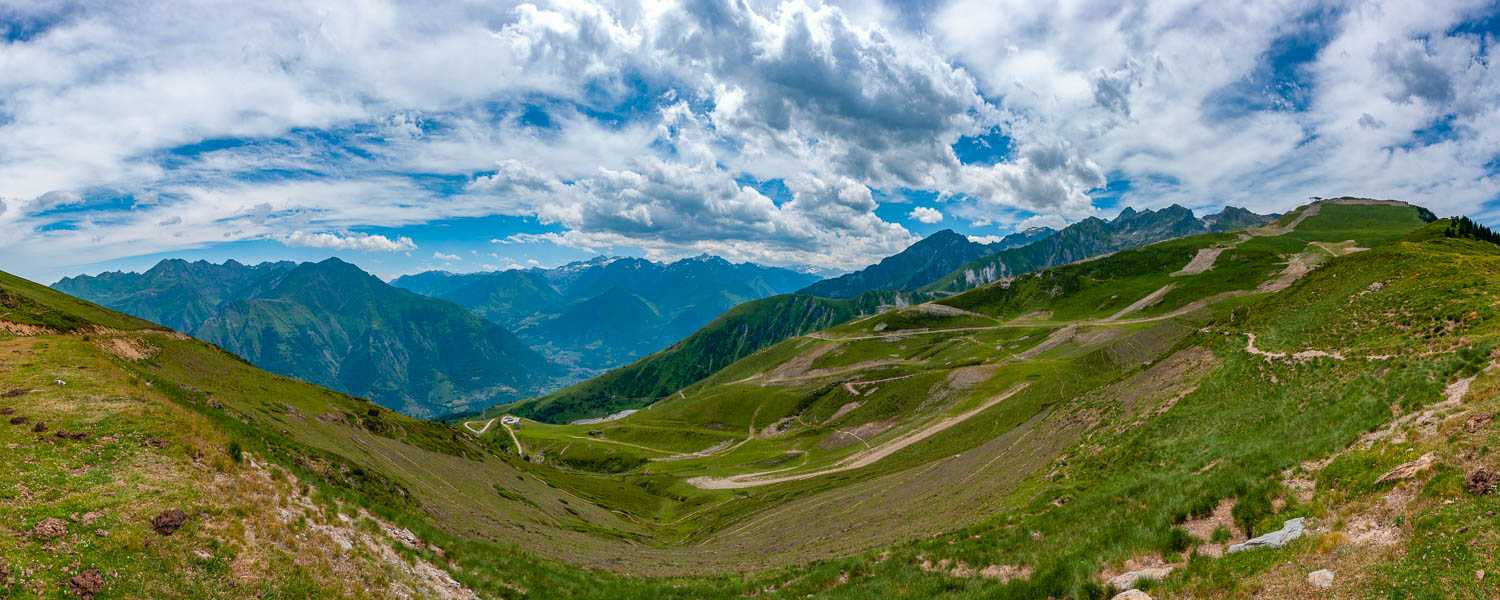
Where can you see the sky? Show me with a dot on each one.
(466, 136)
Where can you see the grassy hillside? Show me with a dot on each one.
(735, 334)
(1143, 410)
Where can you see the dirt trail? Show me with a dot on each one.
(1150, 299)
(859, 459)
(850, 385)
(520, 450)
(609, 441)
(470, 426)
(1201, 262)
(1305, 354)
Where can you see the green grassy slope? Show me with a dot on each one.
(740, 331)
(1032, 455)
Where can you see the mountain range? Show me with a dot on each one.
(335, 325)
(604, 312)
(1092, 237)
(921, 263)
(948, 262)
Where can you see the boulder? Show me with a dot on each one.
(1320, 579)
(1132, 595)
(1409, 470)
(1125, 581)
(1290, 530)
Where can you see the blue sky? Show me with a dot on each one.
(472, 136)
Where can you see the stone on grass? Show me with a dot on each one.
(1290, 530)
(1125, 581)
(1409, 470)
(1132, 595)
(1320, 579)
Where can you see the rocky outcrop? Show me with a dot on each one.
(1125, 581)
(1409, 470)
(1290, 530)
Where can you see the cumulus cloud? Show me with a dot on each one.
(173, 220)
(350, 241)
(54, 199)
(764, 131)
(447, 257)
(924, 214)
(1049, 221)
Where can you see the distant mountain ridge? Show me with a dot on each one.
(175, 292)
(607, 311)
(920, 264)
(1092, 237)
(333, 324)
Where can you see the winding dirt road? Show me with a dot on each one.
(863, 458)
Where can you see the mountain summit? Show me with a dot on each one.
(333, 324)
(919, 264)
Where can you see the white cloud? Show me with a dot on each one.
(447, 257)
(351, 241)
(1049, 221)
(924, 214)
(986, 239)
(354, 106)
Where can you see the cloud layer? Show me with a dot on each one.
(772, 132)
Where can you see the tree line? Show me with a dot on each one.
(1464, 227)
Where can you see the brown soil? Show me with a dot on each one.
(19, 420)
(39, 428)
(1222, 516)
(1481, 481)
(7, 411)
(13, 393)
(49, 528)
(168, 521)
(1474, 423)
(87, 583)
(129, 348)
(25, 329)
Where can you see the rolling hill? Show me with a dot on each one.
(737, 333)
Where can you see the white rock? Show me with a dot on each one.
(1322, 579)
(1290, 530)
(1132, 595)
(1125, 581)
